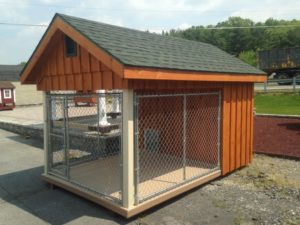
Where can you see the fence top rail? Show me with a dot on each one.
(88, 95)
(283, 80)
(177, 94)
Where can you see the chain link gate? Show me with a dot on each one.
(85, 141)
(177, 139)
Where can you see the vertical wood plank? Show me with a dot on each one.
(55, 84)
(87, 82)
(42, 84)
(233, 126)
(226, 129)
(48, 83)
(107, 80)
(117, 82)
(248, 128)
(62, 82)
(60, 59)
(238, 127)
(244, 125)
(78, 82)
(95, 65)
(85, 60)
(70, 82)
(52, 62)
(68, 65)
(76, 62)
(252, 121)
(96, 80)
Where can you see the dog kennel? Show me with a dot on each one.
(132, 119)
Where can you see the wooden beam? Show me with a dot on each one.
(172, 193)
(128, 149)
(163, 74)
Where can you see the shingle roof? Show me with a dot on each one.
(6, 84)
(144, 49)
(10, 72)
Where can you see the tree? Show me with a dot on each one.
(245, 42)
(23, 63)
(249, 57)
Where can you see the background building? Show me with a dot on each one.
(25, 94)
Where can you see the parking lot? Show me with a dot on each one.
(26, 199)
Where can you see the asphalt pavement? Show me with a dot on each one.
(26, 199)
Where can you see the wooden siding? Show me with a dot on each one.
(81, 73)
(237, 115)
(237, 130)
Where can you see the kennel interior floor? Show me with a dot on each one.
(104, 175)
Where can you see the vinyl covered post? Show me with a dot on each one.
(46, 130)
(128, 149)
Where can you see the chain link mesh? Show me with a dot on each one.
(85, 132)
(177, 140)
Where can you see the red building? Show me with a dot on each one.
(7, 95)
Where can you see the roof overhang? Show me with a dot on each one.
(169, 74)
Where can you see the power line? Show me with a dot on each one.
(23, 24)
(201, 28)
(134, 10)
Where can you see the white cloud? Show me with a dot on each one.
(178, 5)
(280, 9)
(184, 26)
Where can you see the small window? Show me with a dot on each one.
(70, 47)
(7, 93)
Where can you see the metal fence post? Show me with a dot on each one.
(136, 150)
(265, 86)
(294, 84)
(66, 134)
(46, 132)
(219, 127)
(184, 137)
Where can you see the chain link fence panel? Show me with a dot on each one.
(85, 141)
(177, 140)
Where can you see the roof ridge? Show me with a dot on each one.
(61, 15)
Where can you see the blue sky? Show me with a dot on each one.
(17, 43)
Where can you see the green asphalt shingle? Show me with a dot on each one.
(138, 48)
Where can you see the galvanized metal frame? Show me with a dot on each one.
(66, 98)
(138, 96)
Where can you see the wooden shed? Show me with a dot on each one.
(7, 95)
(165, 114)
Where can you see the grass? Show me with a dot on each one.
(278, 103)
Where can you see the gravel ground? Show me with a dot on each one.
(267, 192)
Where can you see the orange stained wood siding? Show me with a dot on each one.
(82, 72)
(237, 136)
(237, 116)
